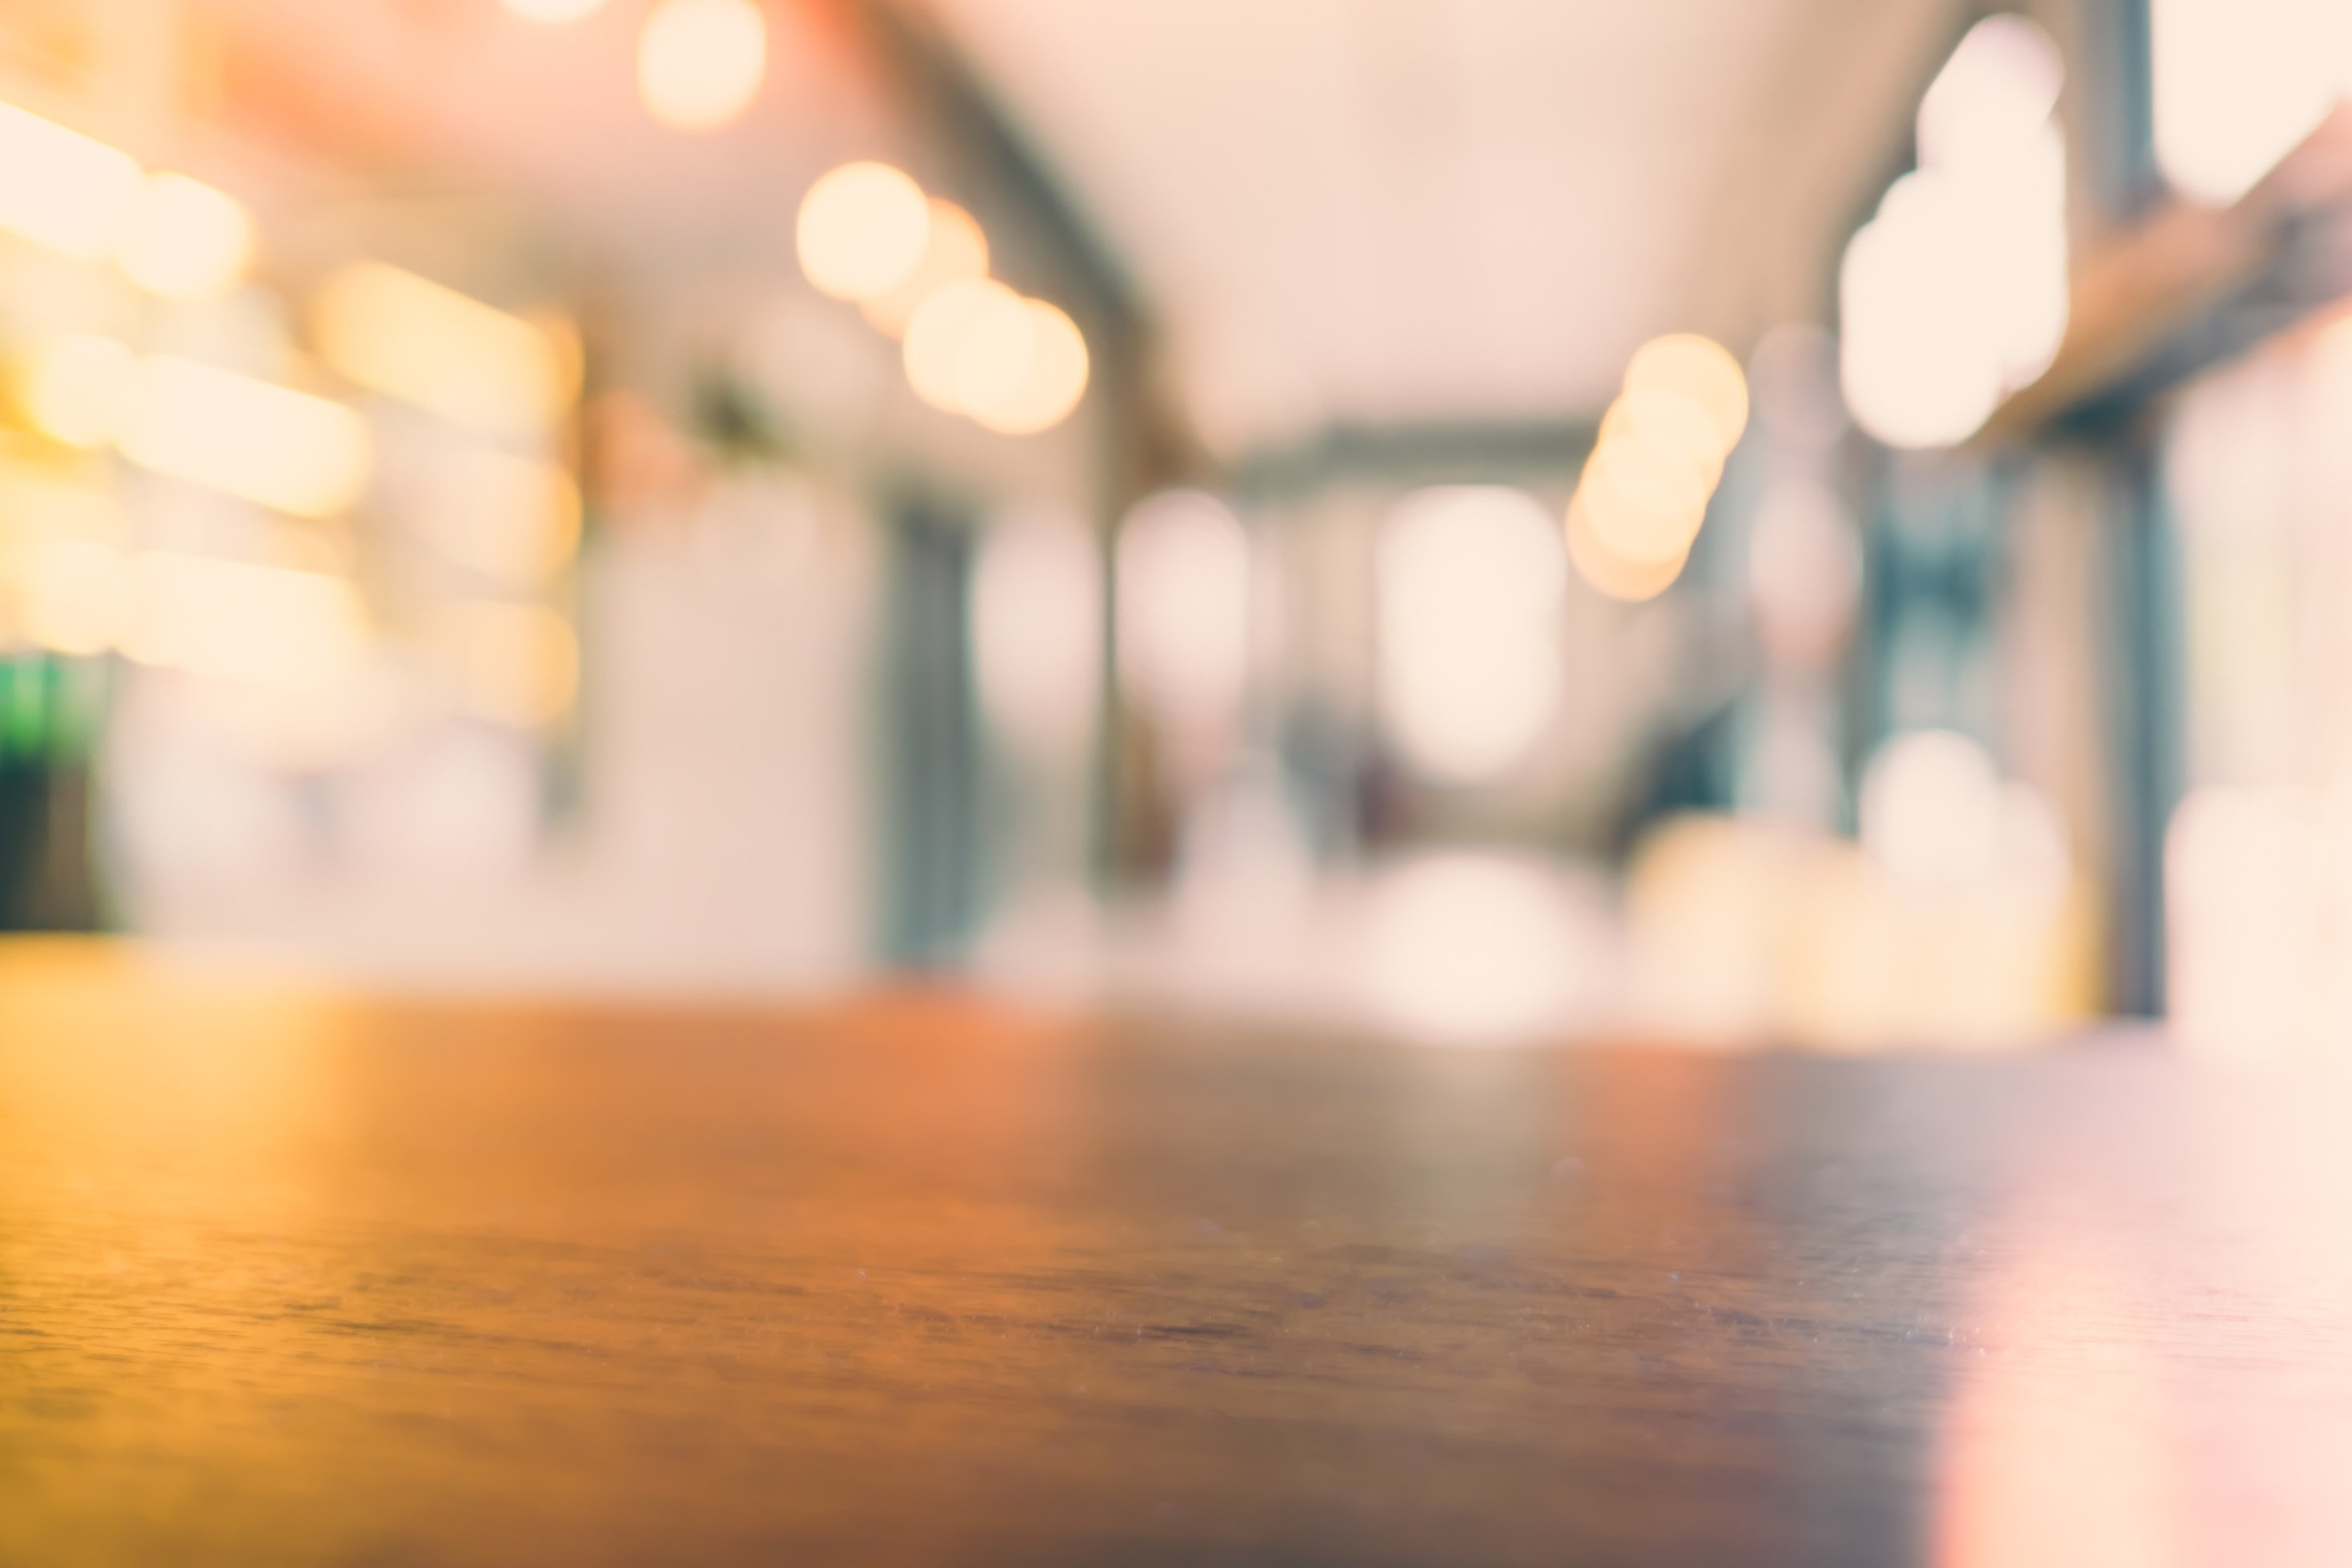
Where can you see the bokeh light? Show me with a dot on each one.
(1051, 385)
(61, 189)
(700, 62)
(244, 437)
(410, 338)
(187, 239)
(954, 249)
(1644, 501)
(238, 620)
(996, 345)
(74, 390)
(1955, 292)
(863, 231)
(959, 339)
(1470, 663)
(1659, 454)
(1688, 365)
(1609, 574)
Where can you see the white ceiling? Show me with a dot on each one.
(1398, 210)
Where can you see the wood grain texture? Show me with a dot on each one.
(287, 1277)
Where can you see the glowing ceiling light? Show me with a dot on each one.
(248, 438)
(1644, 500)
(995, 352)
(1957, 292)
(553, 11)
(187, 239)
(1053, 384)
(410, 338)
(1690, 366)
(59, 188)
(2237, 84)
(863, 232)
(699, 62)
(955, 250)
(1913, 358)
(1669, 422)
(75, 387)
(970, 345)
(1612, 575)
(1469, 657)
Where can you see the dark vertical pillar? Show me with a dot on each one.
(931, 764)
(2147, 704)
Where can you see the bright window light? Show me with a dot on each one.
(1182, 582)
(1469, 587)
(1036, 632)
(2238, 83)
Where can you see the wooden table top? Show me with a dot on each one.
(288, 1277)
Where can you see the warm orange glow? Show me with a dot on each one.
(410, 338)
(865, 233)
(236, 621)
(1610, 573)
(1644, 502)
(699, 62)
(187, 239)
(76, 388)
(1673, 422)
(1701, 370)
(59, 188)
(956, 250)
(1644, 495)
(246, 438)
(1051, 385)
